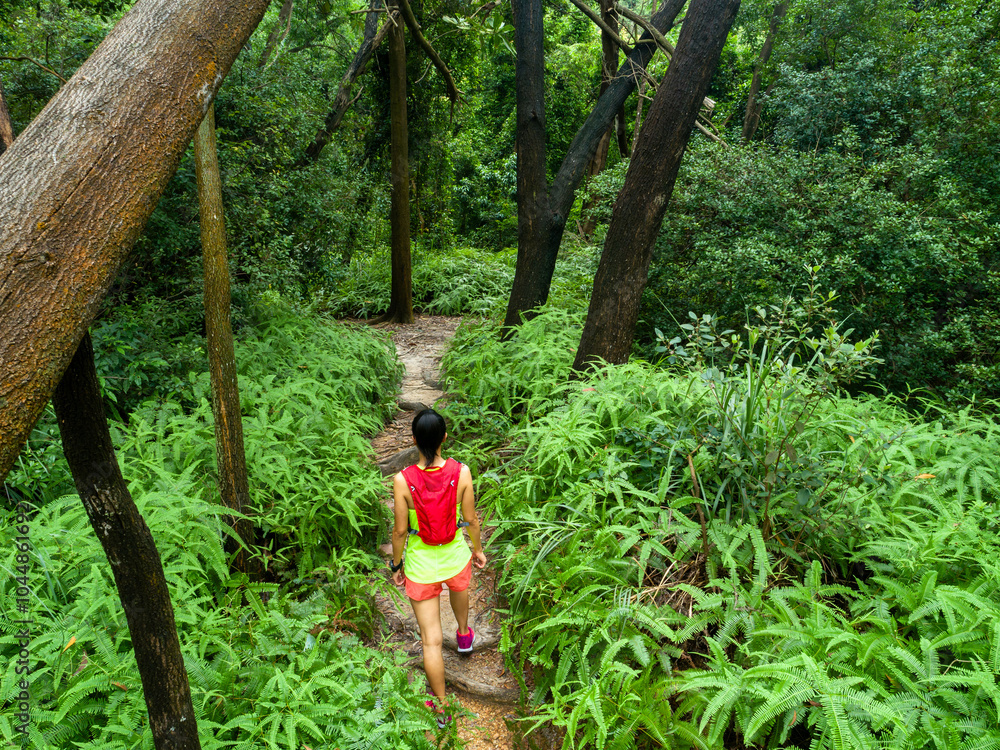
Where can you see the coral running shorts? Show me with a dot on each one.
(422, 591)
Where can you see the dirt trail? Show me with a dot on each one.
(479, 680)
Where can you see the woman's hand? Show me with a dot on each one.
(479, 559)
(397, 577)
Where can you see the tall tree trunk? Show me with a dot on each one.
(401, 298)
(542, 213)
(638, 213)
(531, 275)
(131, 551)
(621, 133)
(609, 66)
(78, 185)
(373, 36)
(6, 127)
(234, 486)
(752, 118)
(276, 35)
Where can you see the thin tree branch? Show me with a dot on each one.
(34, 62)
(276, 37)
(488, 7)
(596, 18)
(711, 136)
(660, 40)
(411, 23)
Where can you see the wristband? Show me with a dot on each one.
(394, 568)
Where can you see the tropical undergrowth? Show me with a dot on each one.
(280, 664)
(724, 550)
(446, 281)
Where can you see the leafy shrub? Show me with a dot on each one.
(270, 676)
(865, 614)
(907, 248)
(445, 282)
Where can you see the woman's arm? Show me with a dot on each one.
(467, 500)
(401, 523)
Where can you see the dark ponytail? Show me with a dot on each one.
(428, 431)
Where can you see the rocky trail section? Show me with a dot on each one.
(479, 679)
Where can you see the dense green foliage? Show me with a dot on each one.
(784, 563)
(712, 546)
(271, 665)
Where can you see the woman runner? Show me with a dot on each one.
(427, 566)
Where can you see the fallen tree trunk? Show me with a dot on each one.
(79, 184)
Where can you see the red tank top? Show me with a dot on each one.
(435, 498)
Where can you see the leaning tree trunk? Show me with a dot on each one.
(638, 212)
(78, 185)
(6, 127)
(401, 297)
(234, 486)
(542, 212)
(277, 35)
(371, 39)
(131, 551)
(752, 117)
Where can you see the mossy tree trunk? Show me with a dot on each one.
(131, 552)
(78, 185)
(230, 456)
(401, 298)
(638, 212)
(6, 127)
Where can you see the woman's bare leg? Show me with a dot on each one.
(428, 614)
(460, 606)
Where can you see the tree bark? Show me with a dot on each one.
(752, 118)
(609, 65)
(6, 127)
(78, 185)
(531, 274)
(621, 133)
(542, 213)
(373, 36)
(401, 297)
(638, 115)
(276, 35)
(234, 487)
(131, 552)
(638, 213)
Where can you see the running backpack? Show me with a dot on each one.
(435, 498)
